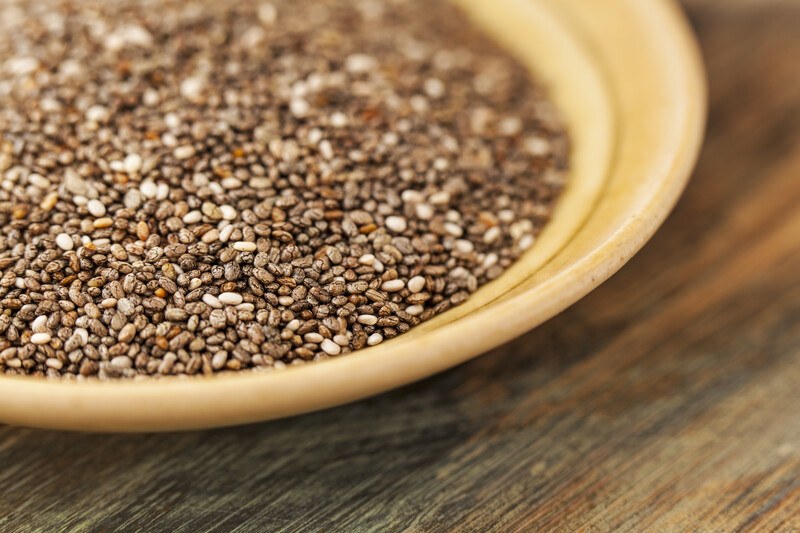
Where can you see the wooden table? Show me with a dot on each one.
(668, 400)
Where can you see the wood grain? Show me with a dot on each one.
(668, 400)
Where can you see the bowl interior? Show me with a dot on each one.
(627, 79)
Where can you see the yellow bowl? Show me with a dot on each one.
(628, 79)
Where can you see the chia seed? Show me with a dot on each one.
(195, 187)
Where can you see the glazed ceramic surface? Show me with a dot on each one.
(628, 80)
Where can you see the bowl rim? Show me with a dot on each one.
(199, 402)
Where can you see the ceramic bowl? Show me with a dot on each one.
(628, 79)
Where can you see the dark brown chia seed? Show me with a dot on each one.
(195, 186)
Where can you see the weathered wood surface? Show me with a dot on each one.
(668, 400)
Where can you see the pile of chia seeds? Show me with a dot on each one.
(195, 186)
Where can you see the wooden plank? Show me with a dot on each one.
(668, 400)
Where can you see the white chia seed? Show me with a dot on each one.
(330, 347)
(40, 338)
(416, 284)
(64, 241)
(230, 298)
(132, 163)
(212, 301)
(243, 246)
(396, 224)
(96, 208)
(393, 285)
